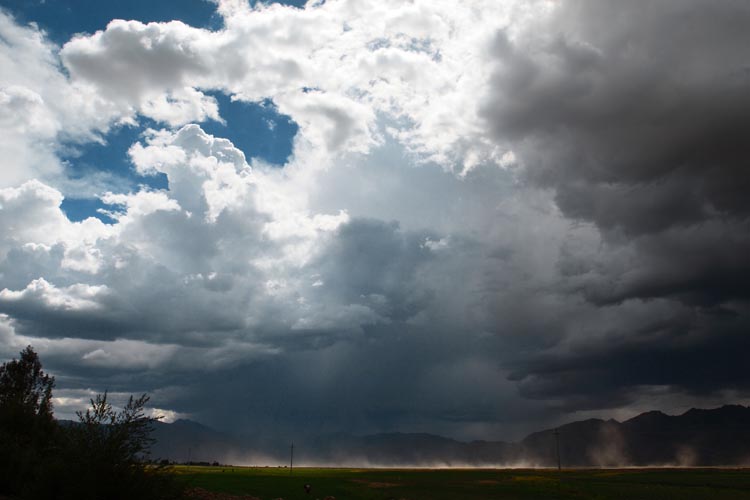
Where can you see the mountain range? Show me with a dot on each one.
(715, 437)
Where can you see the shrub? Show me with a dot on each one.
(109, 451)
(104, 456)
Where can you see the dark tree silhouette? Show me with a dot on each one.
(27, 427)
(111, 448)
(103, 456)
(118, 437)
(25, 391)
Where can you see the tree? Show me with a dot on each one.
(25, 392)
(114, 437)
(108, 452)
(27, 427)
(103, 456)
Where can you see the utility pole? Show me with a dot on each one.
(557, 448)
(291, 459)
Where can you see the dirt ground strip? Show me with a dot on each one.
(201, 494)
(375, 484)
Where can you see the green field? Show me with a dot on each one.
(438, 484)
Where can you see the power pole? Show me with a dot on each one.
(291, 459)
(557, 448)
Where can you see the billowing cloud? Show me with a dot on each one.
(332, 67)
(639, 129)
(495, 214)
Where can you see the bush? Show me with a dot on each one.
(102, 457)
(108, 451)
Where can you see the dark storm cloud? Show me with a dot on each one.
(637, 116)
(366, 277)
(397, 378)
(635, 113)
(375, 259)
(641, 128)
(703, 265)
(699, 353)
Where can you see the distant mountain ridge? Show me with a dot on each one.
(714, 437)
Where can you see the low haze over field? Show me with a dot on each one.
(474, 219)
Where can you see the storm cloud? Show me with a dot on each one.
(495, 216)
(635, 116)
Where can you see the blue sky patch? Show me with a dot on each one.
(61, 19)
(110, 158)
(79, 209)
(258, 129)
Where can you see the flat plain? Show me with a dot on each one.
(269, 483)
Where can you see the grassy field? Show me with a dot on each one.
(467, 484)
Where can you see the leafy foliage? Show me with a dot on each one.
(116, 437)
(103, 456)
(109, 450)
(26, 423)
(25, 392)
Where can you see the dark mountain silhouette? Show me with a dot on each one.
(713, 437)
(698, 437)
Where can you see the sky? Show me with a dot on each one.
(470, 218)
